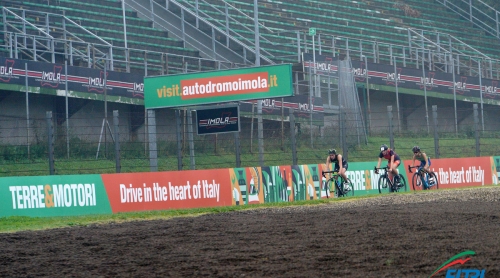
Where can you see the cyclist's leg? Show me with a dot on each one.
(428, 170)
(394, 169)
(389, 173)
(422, 166)
(342, 172)
(344, 176)
(422, 177)
(336, 169)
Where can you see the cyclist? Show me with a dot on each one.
(340, 165)
(393, 162)
(425, 161)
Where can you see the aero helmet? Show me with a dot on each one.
(332, 151)
(416, 149)
(383, 147)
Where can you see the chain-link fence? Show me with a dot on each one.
(167, 141)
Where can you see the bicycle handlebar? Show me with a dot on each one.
(328, 172)
(410, 167)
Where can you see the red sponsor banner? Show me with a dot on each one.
(458, 172)
(168, 190)
(225, 85)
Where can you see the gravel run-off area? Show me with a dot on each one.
(394, 235)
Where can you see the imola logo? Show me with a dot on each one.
(51, 79)
(97, 82)
(490, 89)
(7, 70)
(305, 107)
(51, 76)
(359, 72)
(220, 122)
(268, 102)
(53, 196)
(139, 87)
(427, 81)
(460, 85)
(392, 76)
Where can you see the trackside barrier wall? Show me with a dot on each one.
(45, 196)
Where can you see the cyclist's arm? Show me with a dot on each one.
(413, 162)
(392, 160)
(379, 161)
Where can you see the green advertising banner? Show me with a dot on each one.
(495, 164)
(53, 196)
(364, 179)
(218, 86)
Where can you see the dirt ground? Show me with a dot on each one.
(408, 235)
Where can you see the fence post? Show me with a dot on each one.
(153, 150)
(190, 138)
(345, 149)
(50, 134)
(117, 140)
(391, 132)
(476, 129)
(292, 136)
(237, 148)
(178, 128)
(341, 126)
(436, 138)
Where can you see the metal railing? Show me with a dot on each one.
(51, 26)
(477, 12)
(431, 54)
(144, 62)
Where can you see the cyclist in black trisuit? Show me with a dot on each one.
(341, 168)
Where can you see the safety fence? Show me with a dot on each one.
(166, 139)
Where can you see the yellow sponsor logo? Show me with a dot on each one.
(172, 91)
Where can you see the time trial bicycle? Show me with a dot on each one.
(340, 186)
(385, 184)
(423, 180)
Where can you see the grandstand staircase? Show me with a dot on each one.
(183, 21)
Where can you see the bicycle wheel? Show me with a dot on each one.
(416, 182)
(326, 188)
(349, 191)
(436, 183)
(403, 187)
(336, 185)
(383, 185)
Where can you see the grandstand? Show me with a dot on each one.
(176, 36)
(352, 25)
(378, 29)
